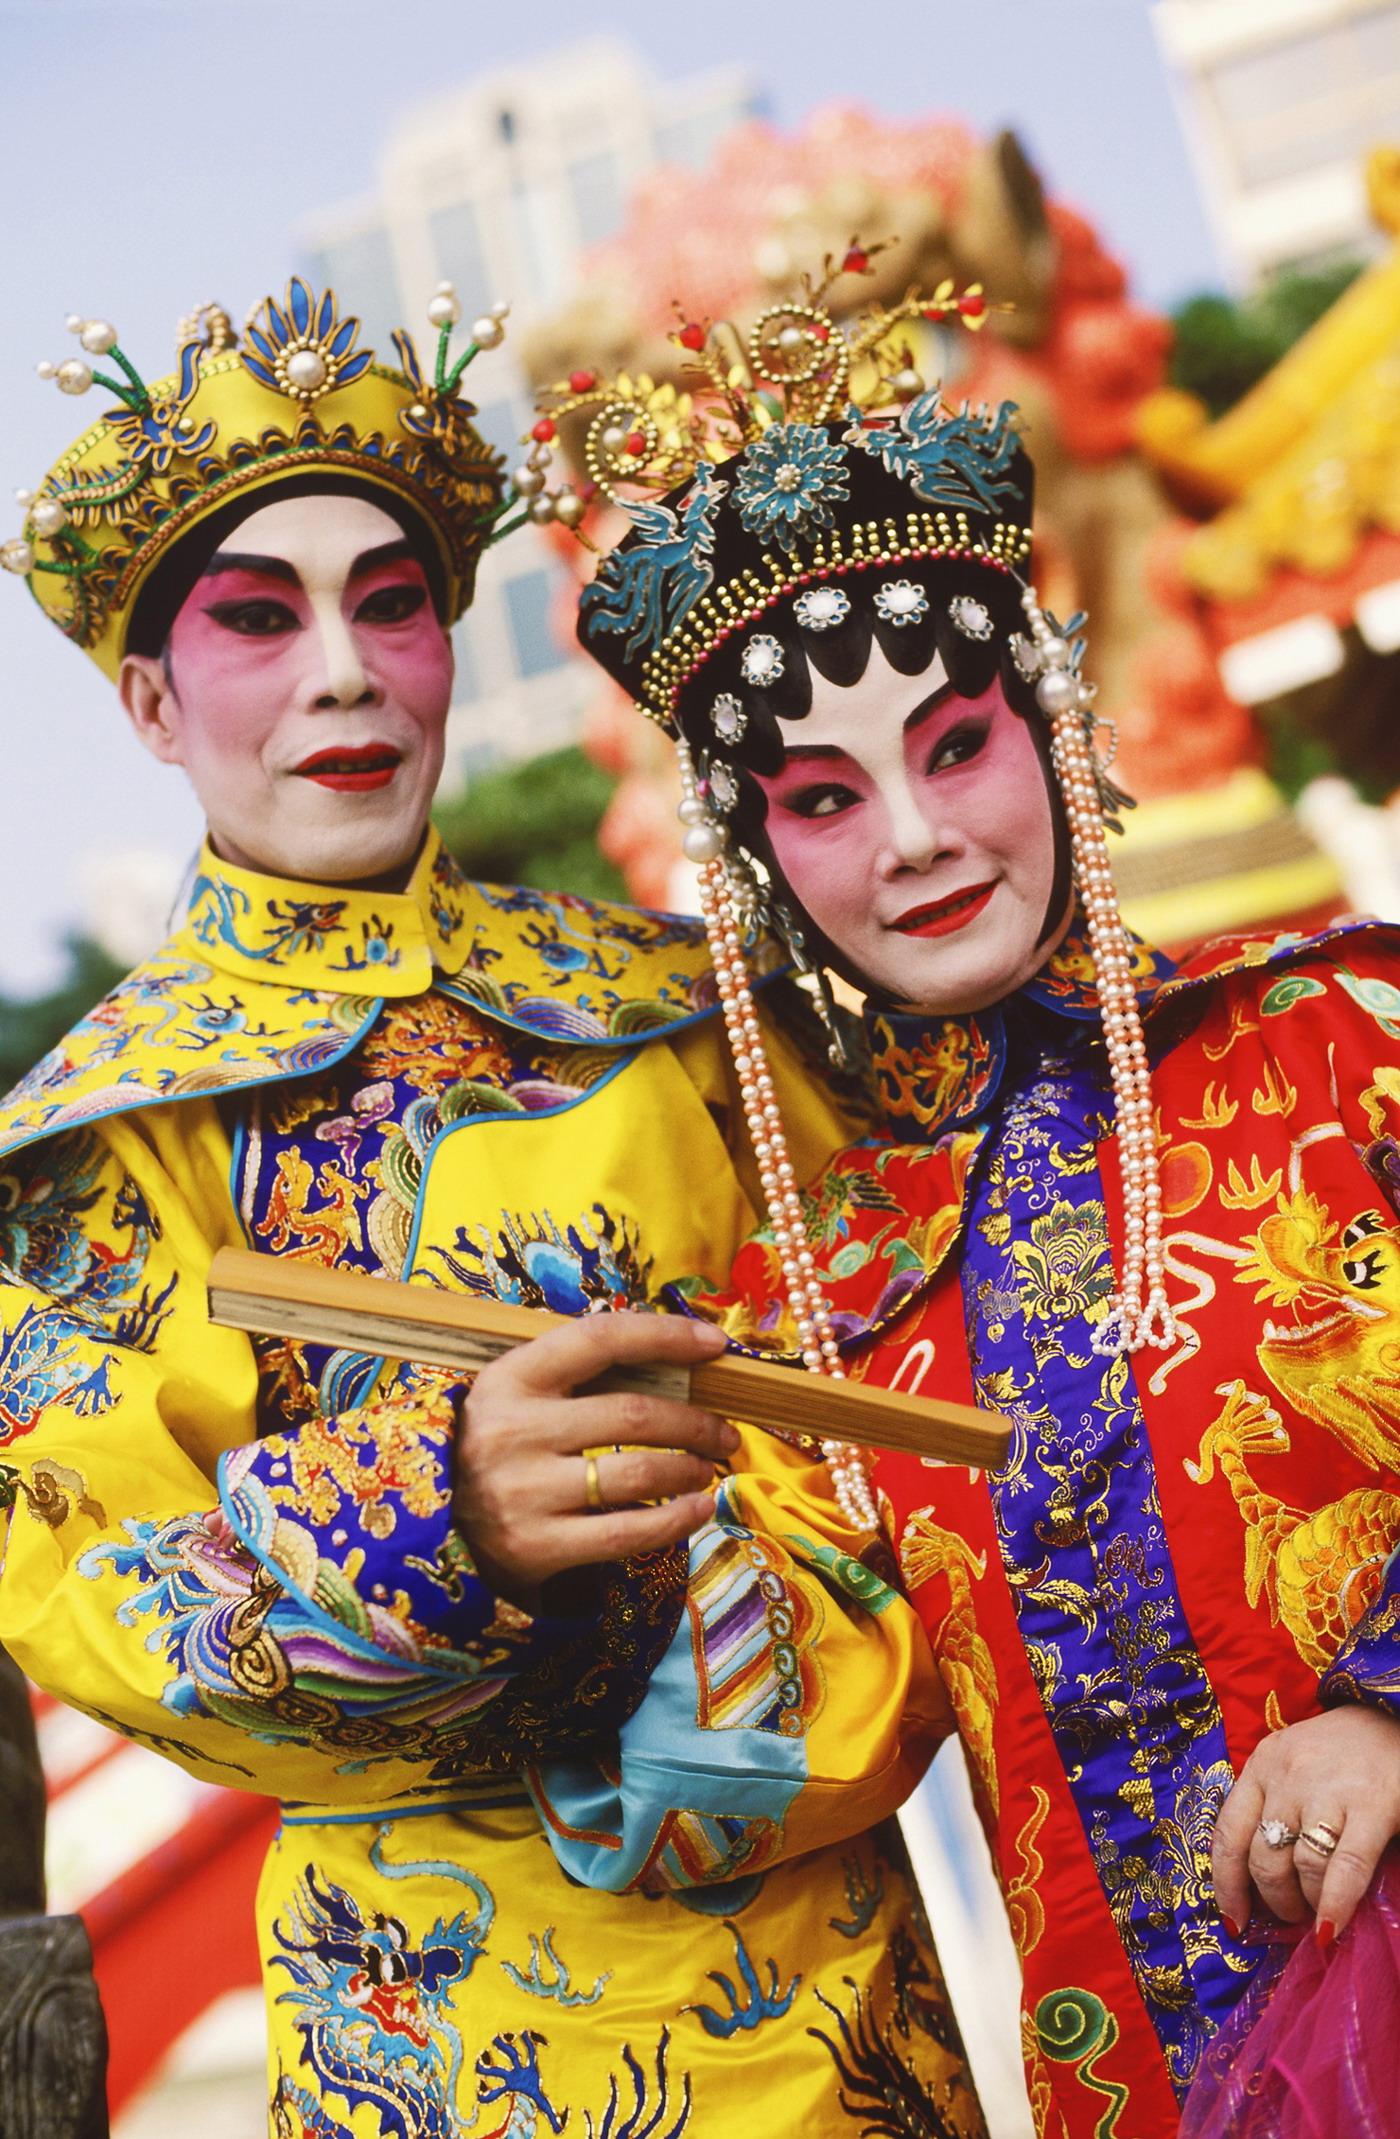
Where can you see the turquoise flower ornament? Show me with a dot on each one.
(788, 482)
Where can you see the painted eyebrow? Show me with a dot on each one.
(934, 703)
(278, 568)
(265, 567)
(388, 553)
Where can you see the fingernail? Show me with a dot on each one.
(729, 1436)
(1325, 1932)
(1230, 1925)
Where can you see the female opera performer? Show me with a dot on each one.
(1148, 1214)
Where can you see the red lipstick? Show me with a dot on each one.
(942, 917)
(353, 771)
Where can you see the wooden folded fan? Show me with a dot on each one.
(275, 1296)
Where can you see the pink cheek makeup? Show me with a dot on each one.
(828, 868)
(411, 659)
(416, 668)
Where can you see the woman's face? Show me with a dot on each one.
(915, 829)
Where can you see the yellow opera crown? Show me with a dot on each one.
(292, 395)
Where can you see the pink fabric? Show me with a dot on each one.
(1313, 2051)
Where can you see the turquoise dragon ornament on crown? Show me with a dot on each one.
(294, 394)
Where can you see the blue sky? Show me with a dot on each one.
(159, 152)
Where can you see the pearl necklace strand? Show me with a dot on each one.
(704, 842)
(1131, 1323)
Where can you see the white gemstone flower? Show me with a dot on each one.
(1026, 656)
(970, 617)
(728, 717)
(821, 608)
(724, 788)
(762, 661)
(900, 601)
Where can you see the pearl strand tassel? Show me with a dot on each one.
(1132, 1322)
(704, 844)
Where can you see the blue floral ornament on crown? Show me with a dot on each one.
(789, 479)
(306, 350)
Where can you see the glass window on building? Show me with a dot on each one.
(538, 242)
(461, 257)
(596, 185)
(465, 687)
(529, 601)
(1322, 97)
(360, 269)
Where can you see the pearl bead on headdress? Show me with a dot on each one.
(1132, 1321)
(705, 841)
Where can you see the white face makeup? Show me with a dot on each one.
(915, 828)
(305, 693)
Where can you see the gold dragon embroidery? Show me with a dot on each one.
(1337, 1359)
(1317, 1571)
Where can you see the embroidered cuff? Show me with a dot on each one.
(352, 1515)
(1366, 1669)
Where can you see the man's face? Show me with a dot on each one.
(915, 828)
(305, 692)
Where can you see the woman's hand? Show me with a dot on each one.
(1336, 1775)
(523, 1477)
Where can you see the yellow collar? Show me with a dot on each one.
(267, 978)
(330, 936)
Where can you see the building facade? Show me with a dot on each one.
(502, 187)
(1283, 100)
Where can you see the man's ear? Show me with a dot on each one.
(149, 702)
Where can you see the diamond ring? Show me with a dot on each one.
(1278, 1834)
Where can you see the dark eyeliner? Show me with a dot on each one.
(402, 600)
(966, 731)
(805, 802)
(235, 615)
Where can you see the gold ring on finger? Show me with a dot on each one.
(592, 1486)
(1321, 1837)
(1278, 1834)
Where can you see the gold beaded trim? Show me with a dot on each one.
(740, 601)
(463, 548)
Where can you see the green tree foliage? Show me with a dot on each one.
(30, 1029)
(1225, 345)
(535, 823)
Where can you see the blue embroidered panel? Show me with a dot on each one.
(1132, 1712)
(329, 1169)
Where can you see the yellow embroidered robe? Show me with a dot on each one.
(242, 1553)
